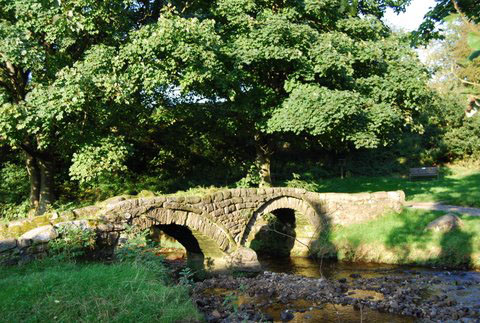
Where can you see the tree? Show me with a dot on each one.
(48, 68)
(430, 29)
(74, 74)
(315, 69)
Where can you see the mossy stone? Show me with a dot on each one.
(145, 193)
(41, 220)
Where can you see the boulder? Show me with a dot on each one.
(245, 258)
(445, 223)
(40, 234)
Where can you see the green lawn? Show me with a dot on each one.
(456, 186)
(402, 239)
(49, 291)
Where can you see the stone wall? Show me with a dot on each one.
(226, 217)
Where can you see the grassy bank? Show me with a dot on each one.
(456, 186)
(49, 291)
(402, 239)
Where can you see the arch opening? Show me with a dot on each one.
(285, 226)
(275, 235)
(180, 242)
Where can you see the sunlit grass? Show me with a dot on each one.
(403, 239)
(456, 186)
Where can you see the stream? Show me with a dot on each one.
(305, 290)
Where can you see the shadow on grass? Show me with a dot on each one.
(413, 242)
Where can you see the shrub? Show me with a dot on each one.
(72, 242)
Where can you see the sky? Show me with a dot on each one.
(412, 18)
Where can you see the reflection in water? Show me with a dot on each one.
(336, 313)
(331, 269)
(306, 311)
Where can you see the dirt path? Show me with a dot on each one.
(437, 206)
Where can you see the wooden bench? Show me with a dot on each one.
(424, 172)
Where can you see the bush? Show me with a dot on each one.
(14, 191)
(72, 243)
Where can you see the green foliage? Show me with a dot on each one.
(463, 143)
(14, 211)
(298, 182)
(105, 157)
(14, 191)
(186, 277)
(67, 292)
(72, 243)
(13, 183)
(129, 95)
(441, 12)
(251, 179)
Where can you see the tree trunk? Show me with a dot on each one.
(34, 175)
(47, 186)
(262, 161)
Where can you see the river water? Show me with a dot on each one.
(461, 286)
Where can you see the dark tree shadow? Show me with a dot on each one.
(277, 236)
(456, 245)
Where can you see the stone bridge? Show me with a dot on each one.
(225, 222)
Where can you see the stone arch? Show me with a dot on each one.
(310, 221)
(209, 233)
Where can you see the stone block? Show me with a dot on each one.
(206, 199)
(159, 200)
(379, 195)
(7, 244)
(237, 200)
(87, 211)
(397, 196)
(180, 199)
(193, 199)
(236, 192)
(24, 243)
(218, 197)
(78, 224)
(226, 194)
(41, 234)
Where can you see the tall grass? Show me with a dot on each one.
(94, 292)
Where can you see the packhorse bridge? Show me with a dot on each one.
(221, 225)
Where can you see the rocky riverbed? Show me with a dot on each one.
(400, 296)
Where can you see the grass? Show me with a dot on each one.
(402, 239)
(456, 186)
(49, 291)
